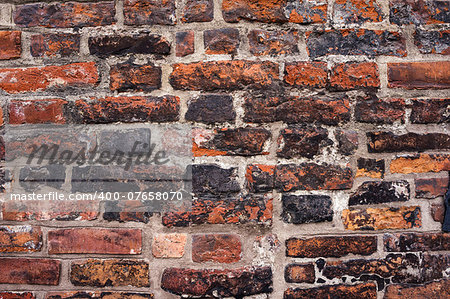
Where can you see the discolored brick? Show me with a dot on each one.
(149, 12)
(220, 248)
(22, 238)
(169, 245)
(221, 41)
(107, 45)
(356, 11)
(300, 273)
(433, 42)
(373, 168)
(379, 142)
(406, 242)
(263, 42)
(198, 11)
(430, 111)
(130, 76)
(37, 111)
(421, 163)
(419, 12)
(431, 187)
(300, 141)
(300, 209)
(10, 44)
(347, 141)
(371, 109)
(437, 212)
(185, 43)
(32, 271)
(55, 44)
(306, 74)
(211, 178)
(376, 192)
(260, 178)
(16, 295)
(432, 290)
(357, 291)
(211, 108)
(419, 75)
(347, 76)
(98, 295)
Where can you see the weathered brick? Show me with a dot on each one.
(357, 291)
(106, 45)
(29, 271)
(431, 187)
(421, 163)
(126, 109)
(217, 283)
(311, 176)
(130, 76)
(18, 80)
(114, 272)
(304, 12)
(127, 210)
(185, 43)
(95, 240)
(370, 168)
(10, 44)
(226, 75)
(20, 238)
(221, 248)
(300, 209)
(169, 245)
(198, 11)
(245, 141)
(376, 192)
(405, 242)
(430, 111)
(65, 15)
(149, 12)
(355, 42)
(306, 74)
(419, 12)
(301, 141)
(260, 178)
(432, 290)
(356, 11)
(437, 212)
(211, 108)
(371, 109)
(263, 42)
(379, 142)
(347, 141)
(98, 295)
(36, 111)
(300, 273)
(221, 41)
(331, 246)
(419, 75)
(433, 42)
(14, 295)
(37, 178)
(347, 76)
(329, 111)
(54, 44)
(211, 178)
(382, 218)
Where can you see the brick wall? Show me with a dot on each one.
(321, 144)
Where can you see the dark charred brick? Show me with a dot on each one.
(65, 15)
(260, 178)
(198, 11)
(430, 111)
(240, 141)
(226, 75)
(185, 43)
(29, 271)
(421, 12)
(128, 211)
(300, 273)
(347, 141)
(304, 12)
(405, 242)
(311, 176)
(371, 109)
(357, 291)
(354, 75)
(376, 192)
(300, 209)
(98, 295)
(125, 109)
(331, 246)
(370, 168)
(22, 238)
(113, 272)
(10, 44)
(221, 248)
(330, 111)
(356, 11)
(432, 290)
(209, 109)
(296, 141)
(433, 42)
(388, 142)
(124, 140)
(431, 187)
(306, 74)
(53, 44)
(221, 41)
(130, 76)
(213, 179)
(252, 209)
(420, 163)
(419, 75)
(149, 12)
(36, 178)
(264, 42)
(355, 42)
(217, 283)
(121, 44)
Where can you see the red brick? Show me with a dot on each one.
(437, 212)
(306, 74)
(14, 295)
(32, 271)
(130, 76)
(431, 187)
(356, 11)
(221, 41)
(382, 218)
(430, 111)
(20, 238)
(198, 11)
(221, 248)
(149, 12)
(433, 290)
(264, 42)
(421, 163)
(357, 291)
(65, 15)
(37, 111)
(63, 44)
(260, 178)
(169, 245)
(407, 242)
(95, 240)
(98, 295)
(371, 109)
(10, 44)
(300, 273)
(18, 80)
(418, 12)
(185, 43)
(347, 76)
(213, 75)
(419, 75)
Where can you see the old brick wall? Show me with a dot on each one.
(321, 144)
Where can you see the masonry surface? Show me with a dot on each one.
(321, 145)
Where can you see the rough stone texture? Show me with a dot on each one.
(371, 109)
(299, 209)
(260, 178)
(220, 248)
(169, 245)
(214, 179)
(221, 41)
(300, 273)
(430, 111)
(380, 192)
(306, 74)
(433, 42)
(419, 75)
(431, 187)
(421, 163)
(347, 76)
(432, 290)
(32, 271)
(416, 242)
(296, 141)
(347, 141)
(373, 168)
(122, 44)
(212, 108)
(420, 12)
(50, 45)
(264, 42)
(149, 12)
(22, 238)
(130, 76)
(185, 43)
(358, 291)
(356, 11)
(10, 44)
